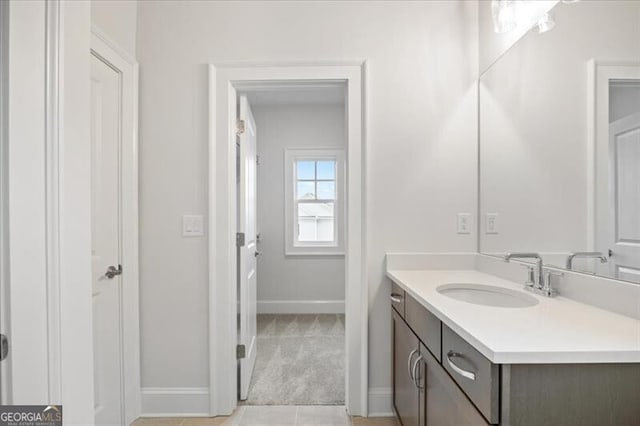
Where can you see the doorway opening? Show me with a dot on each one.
(291, 209)
(228, 342)
(614, 151)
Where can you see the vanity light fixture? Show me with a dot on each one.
(545, 23)
(504, 15)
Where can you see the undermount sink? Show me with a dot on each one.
(480, 294)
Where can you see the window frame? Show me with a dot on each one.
(293, 246)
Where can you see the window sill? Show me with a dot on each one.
(304, 253)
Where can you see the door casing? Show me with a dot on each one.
(224, 79)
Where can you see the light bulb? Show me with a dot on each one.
(504, 15)
(545, 23)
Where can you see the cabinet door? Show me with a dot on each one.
(443, 403)
(405, 393)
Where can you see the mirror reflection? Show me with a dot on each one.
(560, 142)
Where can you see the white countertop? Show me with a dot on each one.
(556, 330)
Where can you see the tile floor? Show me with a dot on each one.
(275, 415)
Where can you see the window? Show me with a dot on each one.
(314, 201)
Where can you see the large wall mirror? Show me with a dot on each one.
(560, 142)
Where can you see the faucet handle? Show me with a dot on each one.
(531, 275)
(548, 275)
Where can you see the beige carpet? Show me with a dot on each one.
(300, 360)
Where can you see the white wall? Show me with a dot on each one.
(420, 145)
(118, 20)
(533, 108)
(292, 278)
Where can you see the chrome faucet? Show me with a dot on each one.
(539, 281)
(585, 255)
(535, 279)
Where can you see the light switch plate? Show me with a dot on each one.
(491, 223)
(192, 225)
(464, 223)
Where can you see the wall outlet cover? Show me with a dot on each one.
(491, 223)
(192, 225)
(464, 223)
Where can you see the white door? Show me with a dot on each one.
(624, 198)
(247, 252)
(105, 215)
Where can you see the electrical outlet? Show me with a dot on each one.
(464, 223)
(491, 223)
(192, 225)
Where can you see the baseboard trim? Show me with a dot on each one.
(175, 402)
(301, 307)
(194, 402)
(380, 402)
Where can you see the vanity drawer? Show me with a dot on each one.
(397, 298)
(426, 325)
(475, 374)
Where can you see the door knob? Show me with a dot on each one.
(257, 253)
(112, 271)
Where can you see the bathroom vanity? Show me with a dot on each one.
(553, 362)
(559, 166)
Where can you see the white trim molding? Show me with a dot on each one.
(52, 196)
(175, 402)
(5, 369)
(301, 307)
(381, 402)
(224, 79)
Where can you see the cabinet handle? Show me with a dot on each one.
(464, 373)
(413, 352)
(396, 298)
(416, 379)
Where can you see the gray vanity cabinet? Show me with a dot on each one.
(406, 347)
(439, 379)
(444, 403)
(423, 392)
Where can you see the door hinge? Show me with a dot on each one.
(240, 239)
(239, 127)
(241, 351)
(4, 347)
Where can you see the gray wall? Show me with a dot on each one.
(118, 20)
(421, 152)
(280, 277)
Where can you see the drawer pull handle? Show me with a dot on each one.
(396, 298)
(416, 379)
(464, 373)
(413, 352)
